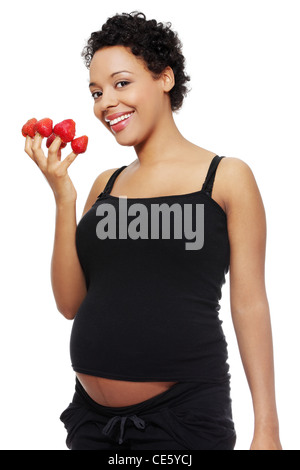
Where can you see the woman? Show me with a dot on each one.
(147, 345)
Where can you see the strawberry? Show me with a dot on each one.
(65, 130)
(44, 127)
(28, 128)
(50, 140)
(79, 145)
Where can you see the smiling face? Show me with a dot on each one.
(128, 100)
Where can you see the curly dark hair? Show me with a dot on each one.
(154, 42)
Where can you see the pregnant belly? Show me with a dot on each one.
(107, 392)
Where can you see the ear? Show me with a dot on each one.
(168, 79)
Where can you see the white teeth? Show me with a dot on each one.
(119, 119)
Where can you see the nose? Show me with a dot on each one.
(109, 99)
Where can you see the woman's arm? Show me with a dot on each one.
(249, 304)
(67, 278)
(68, 282)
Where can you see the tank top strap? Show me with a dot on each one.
(210, 177)
(111, 181)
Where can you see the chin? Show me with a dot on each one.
(127, 141)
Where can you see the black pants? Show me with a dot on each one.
(188, 416)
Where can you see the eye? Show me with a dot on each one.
(96, 94)
(122, 83)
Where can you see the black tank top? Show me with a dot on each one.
(154, 273)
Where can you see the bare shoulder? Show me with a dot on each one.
(237, 181)
(97, 187)
(102, 179)
(233, 168)
(246, 217)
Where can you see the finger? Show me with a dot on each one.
(37, 142)
(54, 151)
(28, 146)
(38, 154)
(68, 160)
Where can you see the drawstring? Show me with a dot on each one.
(138, 422)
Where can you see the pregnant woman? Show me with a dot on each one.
(141, 273)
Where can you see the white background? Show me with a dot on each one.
(243, 58)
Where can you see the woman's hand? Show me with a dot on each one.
(54, 170)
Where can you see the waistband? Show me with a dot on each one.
(175, 395)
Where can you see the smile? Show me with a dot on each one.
(120, 122)
(119, 119)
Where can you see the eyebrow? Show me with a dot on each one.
(112, 75)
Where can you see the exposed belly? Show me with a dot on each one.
(107, 392)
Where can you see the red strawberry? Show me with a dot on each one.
(65, 130)
(50, 140)
(44, 127)
(79, 145)
(28, 128)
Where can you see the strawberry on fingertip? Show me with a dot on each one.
(79, 145)
(29, 128)
(65, 130)
(50, 140)
(44, 127)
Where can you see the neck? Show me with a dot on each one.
(162, 145)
